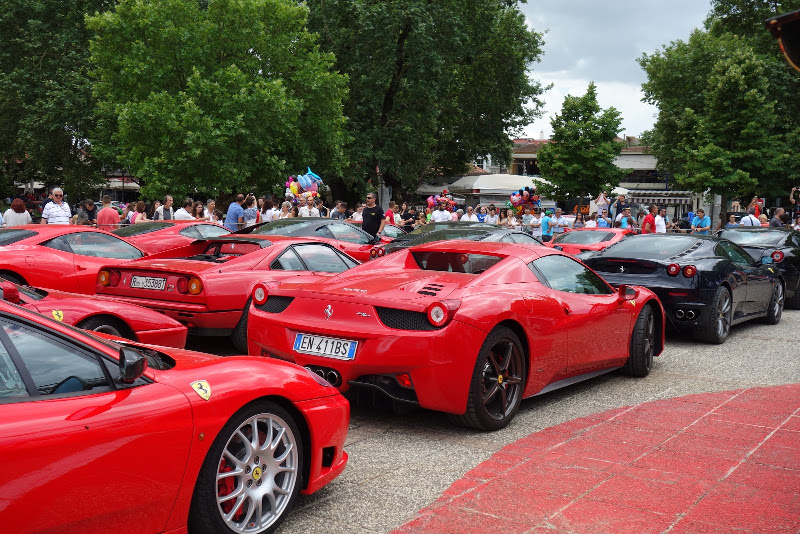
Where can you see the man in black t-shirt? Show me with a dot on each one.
(372, 217)
(409, 218)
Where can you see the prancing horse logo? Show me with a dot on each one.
(622, 268)
(328, 312)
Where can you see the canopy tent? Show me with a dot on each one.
(117, 183)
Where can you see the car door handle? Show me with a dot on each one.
(79, 268)
(566, 308)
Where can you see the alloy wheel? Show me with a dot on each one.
(724, 310)
(502, 379)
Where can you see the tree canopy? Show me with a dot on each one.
(579, 159)
(432, 85)
(232, 95)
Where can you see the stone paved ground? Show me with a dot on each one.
(402, 464)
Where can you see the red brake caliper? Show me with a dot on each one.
(226, 487)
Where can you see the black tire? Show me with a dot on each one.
(776, 303)
(208, 501)
(107, 325)
(643, 344)
(497, 384)
(239, 334)
(14, 278)
(717, 326)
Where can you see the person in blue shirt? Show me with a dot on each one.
(235, 217)
(547, 226)
(602, 219)
(701, 224)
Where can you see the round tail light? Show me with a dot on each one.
(114, 277)
(182, 285)
(103, 277)
(260, 294)
(195, 286)
(777, 256)
(689, 271)
(673, 269)
(437, 314)
(373, 253)
(381, 252)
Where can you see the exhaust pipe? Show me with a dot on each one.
(679, 314)
(690, 314)
(333, 378)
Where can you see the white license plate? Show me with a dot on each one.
(148, 282)
(329, 347)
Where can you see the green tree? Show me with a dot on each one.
(433, 85)
(579, 160)
(46, 103)
(717, 127)
(232, 95)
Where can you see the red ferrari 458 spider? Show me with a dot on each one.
(157, 236)
(100, 314)
(64, 257)
(589, 239)
(100, 436)
(206, 285)
(468, 328)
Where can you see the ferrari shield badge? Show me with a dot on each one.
(202, 388)
(58, 315)
(633, 303)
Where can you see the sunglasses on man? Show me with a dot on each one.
(786, 29)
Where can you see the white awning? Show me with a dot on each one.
(116, 183)
(666, 198)
(494, 183)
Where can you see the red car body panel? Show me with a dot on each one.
(90, 456)
(147, 326)
(170, 236)
(559, 329)
(42, 266)
(570, 248)
(226, 286)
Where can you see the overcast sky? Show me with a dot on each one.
(600, 40)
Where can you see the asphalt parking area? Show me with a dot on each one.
(400, 465)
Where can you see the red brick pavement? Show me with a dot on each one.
(713, 462)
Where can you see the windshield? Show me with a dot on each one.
(649, 248)
(433, 226)
(303, 228)
(767, 238)
(589, 237)
(140, 228)
(455, 262)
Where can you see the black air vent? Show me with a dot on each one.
(431, 290)
(404, 319)
(275, 304)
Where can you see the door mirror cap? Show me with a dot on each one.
(9, 292)
(132, 365)
(627, 292)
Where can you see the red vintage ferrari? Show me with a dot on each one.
(468, 328)
(157, 236)
(64, 257)
(589, 240)
(206, 285)
(99, 314)
(99, 436)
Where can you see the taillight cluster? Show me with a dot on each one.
(260, 294)
(440, 313)
(377, 252)
(110, 277)
(189, 285)
(777, 256)
(673, 269)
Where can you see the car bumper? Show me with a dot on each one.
(196, 317)
(439, 362)
(166, 337)
(328, 419)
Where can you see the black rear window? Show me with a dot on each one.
(455, 262)
(587, 237)
(305, 228)
(140, 228)
(759, 238)
(649, 248)
(9, 237)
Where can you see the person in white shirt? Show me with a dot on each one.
(57, 211)
(661, 221)
(308, 210)
(357, 214)
(535, 224)
(469, 215)
(492, 218)
(561, 222)
(441, 215)
(208, 211)
(184, 213)
(750, 219)
(17, 215)
(602, 202)
(592, 222)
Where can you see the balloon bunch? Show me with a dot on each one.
(526, 196)
(434, 200)
(303, 186)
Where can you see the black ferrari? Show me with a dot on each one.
(780, 243)
(706, 284)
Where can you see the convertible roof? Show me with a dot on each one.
(519, 250)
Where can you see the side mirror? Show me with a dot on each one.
(132, 364)
(627, 292)
(9, 292)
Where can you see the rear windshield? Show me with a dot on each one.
(9, 237)
(764, 238)
(140, 228)
(649, 248)
(298, 229)
(589, 237)
(455, 262)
